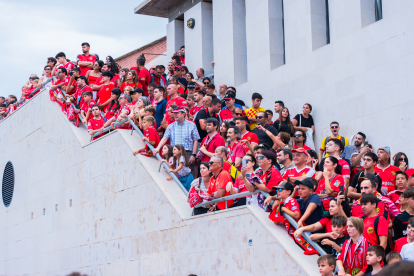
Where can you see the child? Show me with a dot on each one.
(167, 155)
(151, 136)
(393, 257)
(180, 166)
(375, 256)
(408, 239)
(401, 180)
(149, 110)
(3, 109)
(326, 264)
(86, 106)
(335, 240)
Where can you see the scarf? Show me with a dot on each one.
(208, 141)
(360, 251)
(231, 148)
(258, 177)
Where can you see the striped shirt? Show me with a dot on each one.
(182, 134)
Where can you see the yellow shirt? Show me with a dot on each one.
(337, 137)
(251, 113)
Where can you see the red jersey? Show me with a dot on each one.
(251, 137)
(195, 109)
(369, 231)
(336, 181)
(399, 244)
(220, 181)
(73, 83)
(271, 177)
(152, 134)
(394, 196)
(104, 93)
(87, 107)
(99, 81)
(177, 101)
(217, 141)
(294, 172)
(79, 93)
(388, 178)
(89, 58)
(226, 115)
(68, 66)
(94, 124)
(144, 74)
(346, 170)
(110, 112)
(304, 147)
(125, 84)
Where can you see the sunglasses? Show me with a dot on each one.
(297, 135)
(121, 98)
(48, 69)
(401, 159)
(248, 160)
(279, 190)
(238, 114)
(206, 82)
(334, 127)
(211, 163)
(260, 157)
(259, 117)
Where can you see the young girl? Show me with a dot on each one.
(180, 166)
(167, 155)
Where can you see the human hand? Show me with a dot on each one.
(170, 170)
(229, 186)
(145, 139)
(155, 151)
(300, 223)
(315, 163)
(403, 166)
(297, 233)
(325, 173)
(333, 235)
(213, 63)
(326, 242)
(267, 201)
(259, 127)
(191, 160)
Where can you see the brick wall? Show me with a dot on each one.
(157, 47)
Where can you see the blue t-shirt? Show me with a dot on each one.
(159, 115)
(317, 214)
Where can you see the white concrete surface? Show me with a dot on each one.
(175, 34)
(97, 209)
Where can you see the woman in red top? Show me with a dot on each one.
(131, 80)
(122, 76)
(113, 104)
(95, 73)
(239, 186)
(332, 180)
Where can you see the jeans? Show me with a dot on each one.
(186, 181)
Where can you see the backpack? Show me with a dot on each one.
(376, 223)
(329, 137)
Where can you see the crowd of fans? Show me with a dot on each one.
(357, 203)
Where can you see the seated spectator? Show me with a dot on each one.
(93, 75)
(245, 173)
(204, 114)
(252, 112)
(96, 123)
(335, 135)
(224, 126)
(62, 63)
(235, 149)
(353, 249)
(300, 140)
(400, 221)
(138, 110)
(3, 109)
(131, 80)
(113, 104)
(220, 183)
(212, 141)
(310, 204)
(210, 89)
(304, 122)
(264, 131)
(221, 92)
(385, 170)
(370, 161)
(375, 257)
(122, 112)
(355, 148)
(401, 180)
(248, 139)
(409, 238)
(86, 106)
(375, 225)
(300, 171)
(284, 158)
(385, 205)
(150, 135)
(283, 124)
(226, 114)
(202, 183)
(326, 264)
(207, 101)
(400, 160)
(334, 148)
(269, 117)
(332, 182)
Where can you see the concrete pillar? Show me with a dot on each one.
(199, 40)
(175, 36)
(230, 49)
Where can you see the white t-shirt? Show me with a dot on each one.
(185, 170)
(407, 252)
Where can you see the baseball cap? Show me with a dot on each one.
(306, 182)
(386, 149)
(301, 150)
(284, 185)
(191, 85)
(369, 176)
(179, 109)
(138, 90)
(409, 172)
(178, 67)
(229, 95)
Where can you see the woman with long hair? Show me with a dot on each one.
(223, 130)
(113, 104)
(305, 123)
(401, 161)
(239, 185)
(131, 79)
(202, 184)
(95, 73)
(114, 67)
(284, 124)
(122, 76)
(313, 162)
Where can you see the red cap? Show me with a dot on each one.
(301, 150)
(409, 172)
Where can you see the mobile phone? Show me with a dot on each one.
(341, 189)
(244, 163)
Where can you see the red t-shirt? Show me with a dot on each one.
(152, 134)
(89, 58)
(336, 181)
(304, 147)
(394, 196)
(327, 225)
(251, 137)
(271, 177)
(388, 178)
(226, 115)
(239, 184)
(177, 101)
(293, 206)
(125, 84)
(217, 141)
(104, 93)
(79, 93)
(144, 73)
(369, 231)
(221, 181)
(86, 107)
(195, 109)
(94, 124)
(399, 244)
(294, 172)
(346, 171)
(73, 83)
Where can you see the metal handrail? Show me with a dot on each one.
(226, 198)
(174, 177)
(109, 128)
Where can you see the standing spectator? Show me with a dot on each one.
(198, 100)
(221, 92)
(86, 60)
(161, 104)
(252, 112)
(279, 105)
(45, 78)
(202, 183)
(299, 140)
(62, 63)
(335, 135)
(284, 158)
(283, 123)
(220, 182)
(174, 99)
(150, 135)
(356, 147)
(248, 139)
(409, 238)
(385, 170)
(96, 123)
(370, 161)
(401, 180)
(326, 264)
(375, 257)
(104, 92)
(93, 75)
(287, 203)
(375, 225)
(400, 222)
(181, 132)
(263, 129)
(226, 114)
(353, 249)
(201, 76)
(235, 149)
(401, 161)
(310, 204)
(212, 140)
(144, 77)
(51, 61)
(151, 98)
(181, 166)
(204, 114)
(304, 122)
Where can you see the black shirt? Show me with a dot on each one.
(400, 225)
(304, 122)
(331, 250)
(203, 114)
(234, 124)
(263, 137)
(284, 127)
(317, 214)
(357, 184)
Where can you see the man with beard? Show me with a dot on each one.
(357, 147)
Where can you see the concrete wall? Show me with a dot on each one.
(97, 209)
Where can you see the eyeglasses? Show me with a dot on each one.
(259, 117)
(238, 114)
(211, 163)
(297, 135)
(334, 127)
(260, 157)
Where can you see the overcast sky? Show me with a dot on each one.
(31, 31)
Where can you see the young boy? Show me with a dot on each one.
(375, 256)
(401, 180)
(408, 239)
(393, 257)
(151, 136)
(3, 109)
(400, 221)
(326, 264)
(86, 106)
(96, 123)
(375, 235)
(333, 241)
